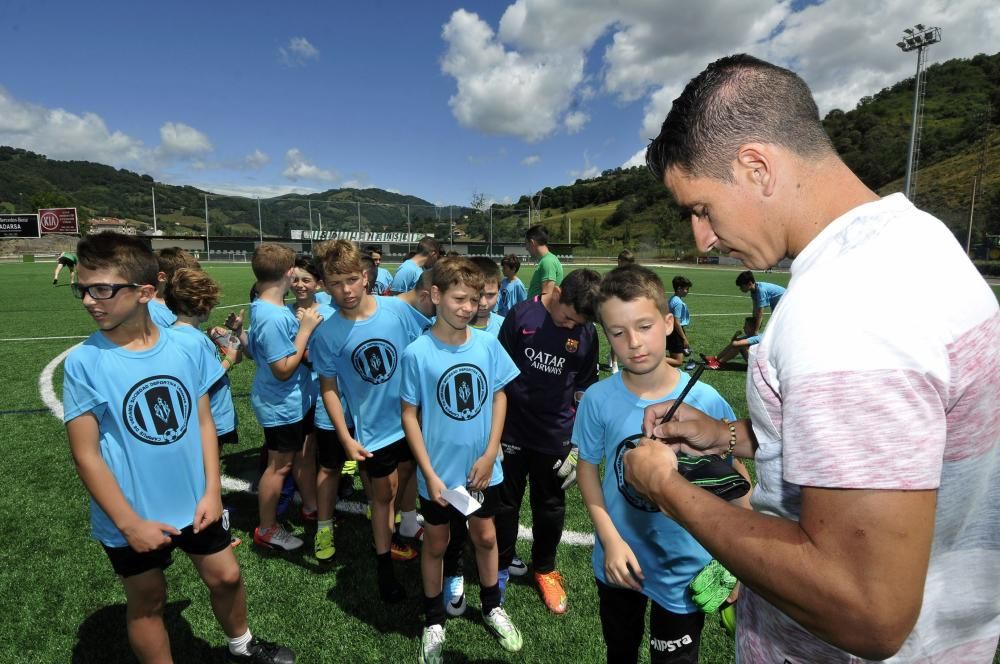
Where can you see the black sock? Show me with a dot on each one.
(489, 597)
(434, 610)
(383, 563)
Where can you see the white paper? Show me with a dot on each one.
(460, 499)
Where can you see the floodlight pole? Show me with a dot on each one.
(208, 245)
(310, 204)
(153, 189)
(359, 220)
(917, 38)
(260, 222)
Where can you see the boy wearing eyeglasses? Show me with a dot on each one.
(142, 436)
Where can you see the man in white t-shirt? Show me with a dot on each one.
(875, 531)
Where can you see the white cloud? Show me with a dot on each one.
(252, 190)
(531, 160)
(179, 140)
(502, 91)
(575, 121)
(61, 134)
(298, 51)
(524, 79)
(256, 159)
(587, 172)
(638, 159)
(297, 167)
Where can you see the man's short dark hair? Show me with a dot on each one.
(625, 257)
(428, 246)
(736, 100)
(579, 289)
(680, 282)
(539, 234)
(745, 279)
(130, 256)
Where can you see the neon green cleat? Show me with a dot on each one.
(323, 544)
(498, 622)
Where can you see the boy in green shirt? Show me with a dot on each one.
(548, 271)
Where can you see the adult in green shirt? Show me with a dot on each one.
(548, 271)
(66, 259)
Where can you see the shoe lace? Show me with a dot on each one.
(552, 581)
(324, 537)
(434, 638)
(501, 621)
(456, 586)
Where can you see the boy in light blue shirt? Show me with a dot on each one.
(512, 290)
(168, 260)
(281, 394)
(453, 409)
(383, 278)
(639, 553)
(357, 351)
(406, 277)
(140, 429)
(678, 346)
(762, 293)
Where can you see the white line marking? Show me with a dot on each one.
(237, 485)
(45, 387)
(42, 338)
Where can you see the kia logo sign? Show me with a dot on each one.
(49, 221)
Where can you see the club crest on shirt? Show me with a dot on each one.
(572, 345)
(462, 391)
(156, 410)
(375, 361)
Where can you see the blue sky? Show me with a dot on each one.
(435, 99)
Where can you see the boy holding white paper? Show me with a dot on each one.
(453, 410)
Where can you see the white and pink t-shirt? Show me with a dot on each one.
(890, 393)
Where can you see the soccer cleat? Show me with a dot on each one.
(431, 645)
(690, 366)
(323, 544)
(550, 585)
(454, 595)
(276, 538)
(498, 622)
(712, 362)
(55, 281)
(260, 651)
(401, 551)
(517, 567)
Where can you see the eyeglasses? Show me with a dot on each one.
(100, 291)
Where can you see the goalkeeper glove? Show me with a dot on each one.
(712, 586)
(566, 469)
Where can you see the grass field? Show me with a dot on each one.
(62, 603)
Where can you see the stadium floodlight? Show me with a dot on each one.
(917, 38)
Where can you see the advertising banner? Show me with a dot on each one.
(19, 225)
(58, 220)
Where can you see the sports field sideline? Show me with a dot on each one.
(61, 602)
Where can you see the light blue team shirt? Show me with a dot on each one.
(454, 386)
(669, 556)
(492, 325)
(161, 314)
(382, 281)
(321, 418)
(364, 357)
(322, 297)
(220, 394)
(406, 277)
(680, 311)
(146, 405)
(271, 338)
(512, 292)
(767, 295)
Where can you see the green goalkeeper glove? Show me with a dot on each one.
(711, 587)
(566, 469)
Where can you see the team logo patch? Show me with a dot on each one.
(462, 391)
(375, 361)
(156, 410)
(572, 345)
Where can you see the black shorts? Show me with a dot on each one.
(437, 515)
(127, 562)
(67, 262)
(329, 452)
(229, 438)
(675, 342)
(384, 461)
(289, 437)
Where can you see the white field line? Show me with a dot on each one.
(237, 485)
(42, 338)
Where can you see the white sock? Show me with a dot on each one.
(409, 525)
(238, 645)
(324, 524)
